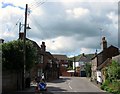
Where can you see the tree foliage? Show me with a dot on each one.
(112, 83)
(113, 71)
(70, 65)
(88, 69)
(12, 55)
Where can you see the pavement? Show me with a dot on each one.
(32, 90)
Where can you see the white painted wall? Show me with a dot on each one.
(76, 64)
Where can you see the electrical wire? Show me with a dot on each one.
(36, 4)
(33, 6)
(41, 27)
(14, 26)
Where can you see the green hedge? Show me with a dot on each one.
(111, 87)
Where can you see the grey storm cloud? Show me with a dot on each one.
(85, 30)
(55, 22)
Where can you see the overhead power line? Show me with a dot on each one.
(32, 6)
(36, 4)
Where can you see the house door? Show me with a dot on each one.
(82, 74)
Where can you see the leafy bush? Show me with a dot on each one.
(113, 70)
(88, 69)
(110, 90)
(105, 84)
(12, 55)
(112, 87)
(102, 86)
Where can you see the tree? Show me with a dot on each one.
(12, 55)
(70, 65)
(88, 69)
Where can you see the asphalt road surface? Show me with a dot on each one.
(72, 84)
(66, 85)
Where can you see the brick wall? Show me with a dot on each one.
(66, 74)
(11, 81)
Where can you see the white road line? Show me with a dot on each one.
(69, 84)
(70, 87)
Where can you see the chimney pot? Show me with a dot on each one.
(43, 47)
(1, 40)
(104, 43)
(21, 35)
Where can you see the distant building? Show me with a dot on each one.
(63, 62)
(80, 65)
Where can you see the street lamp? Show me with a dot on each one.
(21, 25)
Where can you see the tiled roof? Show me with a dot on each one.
(105, 63)
(60, 57)
(84, 59)
(105, 50)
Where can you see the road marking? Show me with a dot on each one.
(69, 84)
(70, 87)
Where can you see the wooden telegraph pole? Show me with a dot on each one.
(24, 44)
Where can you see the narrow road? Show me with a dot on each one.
(72, 84)
(67, 85)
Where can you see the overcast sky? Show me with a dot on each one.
(69, 28)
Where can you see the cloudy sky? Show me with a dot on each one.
(67, 27)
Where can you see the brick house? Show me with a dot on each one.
(103, 59)
(51, 69)
(63, 62)
(44, 59)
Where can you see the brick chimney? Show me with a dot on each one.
(83, 54)
(21, 35)
(103, 43)
(43, 47)
(1, 40)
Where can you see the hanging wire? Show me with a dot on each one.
(41, 27)
(33, 6)
(36, 4)
(15, 25)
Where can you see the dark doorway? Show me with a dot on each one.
(83, 74)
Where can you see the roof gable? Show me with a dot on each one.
(60, 57)
(106, 50)
(84, 59)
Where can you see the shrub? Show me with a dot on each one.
(105, 85)
(102, 86)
